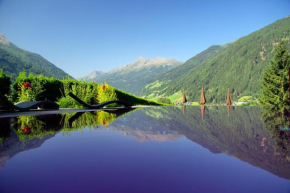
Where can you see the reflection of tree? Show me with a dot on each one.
(38, 126)
(4, 129)
(93, 120)
(76, 121)
(29, 126)
(277, 122)
(240, 135)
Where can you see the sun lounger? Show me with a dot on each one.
(6, 105)
(101, 105)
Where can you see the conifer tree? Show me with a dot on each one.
(275, 80)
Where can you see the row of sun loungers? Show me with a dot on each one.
(6, 105)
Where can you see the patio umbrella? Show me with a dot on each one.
(202, 108)
(184, 97)
(229, 99)
(202, 96)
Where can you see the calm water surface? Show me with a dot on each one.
(165, 149)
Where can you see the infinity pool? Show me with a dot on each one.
(162, 149)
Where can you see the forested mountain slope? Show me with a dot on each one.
(237, 65)
(14, 60)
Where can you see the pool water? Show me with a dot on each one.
(155, 149)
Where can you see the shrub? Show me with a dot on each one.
(86, 91)
(164, 100)
(29, 92)
(51, 88)
(5, 83)
(105, 93)
(121, 95)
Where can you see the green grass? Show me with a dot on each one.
(195, 104)
(245, 98)
(153, 98)
(155, 84)
(175, 97)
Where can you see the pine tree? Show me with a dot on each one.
(275, 80)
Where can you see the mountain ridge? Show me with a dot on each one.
(131, 77)
(14, 60)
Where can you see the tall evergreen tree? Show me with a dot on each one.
(275, 80)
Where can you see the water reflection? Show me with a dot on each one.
(202, 109)
(277, 122)
(239, 132)
(22, 133)
(252, 135)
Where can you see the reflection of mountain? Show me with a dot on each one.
(13, 145)
(15, 137)
(147, 136)
(240, 135)
(147, 130)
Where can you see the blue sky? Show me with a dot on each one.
(87, 35)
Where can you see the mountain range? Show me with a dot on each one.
(136, 75)
(14, 60)
(237, 65)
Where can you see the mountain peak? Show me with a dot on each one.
(93, 75)
(140, 58)
(4, 41)
(142, 62)
(134, 76)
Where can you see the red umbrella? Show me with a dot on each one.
(184, 97)
(202, 96)
(229, 98)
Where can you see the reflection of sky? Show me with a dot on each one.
(103, 160)
(285, 128)
(107, 161)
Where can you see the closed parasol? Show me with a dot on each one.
(229, 99)
(202, 96)
(184, 100)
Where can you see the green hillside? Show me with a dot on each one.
(237, 65)
(14, 60)
(162, 82)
